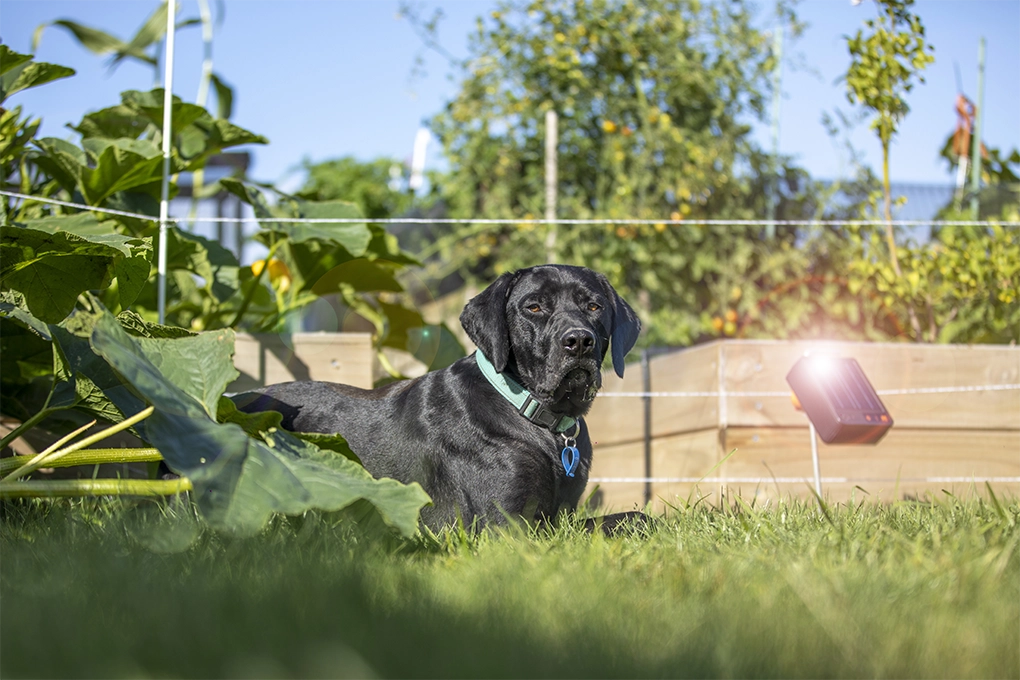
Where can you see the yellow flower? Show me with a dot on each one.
(560, 37)
(279, 274)
(609, 126)
(660, 227)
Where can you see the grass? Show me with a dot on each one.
(916, 589)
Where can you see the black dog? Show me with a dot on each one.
(511, 442)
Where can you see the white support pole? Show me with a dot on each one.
(164, 201)
(814, 459)
(551, 142)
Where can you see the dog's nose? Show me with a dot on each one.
(578, 341)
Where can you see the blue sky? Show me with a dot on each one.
(323, 78)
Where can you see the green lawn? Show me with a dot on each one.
(916, 589)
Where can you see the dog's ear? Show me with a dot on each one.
(484, 321)
(625, 329)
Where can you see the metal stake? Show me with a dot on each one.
(979, 114)
(814, 458)
(164, 201)
(550, 184)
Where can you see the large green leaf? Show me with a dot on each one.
(118, 169)
(361, 274)
(115, 122)
(132, 274)
(150, 32)
(399, 322)
(354, 237)
(206, 258)
(9, 59)
(96, 387)
(89, 228)
(18, 72)
(83, 224)
(24, 355)
(51, 267)
(139, 327)
(200, 365)
(150, 105)
(247, 194)
(62, 395)
(224, 97)
(196, 134)
(62, 161)
(240, 481)
(94, 40)
(51, 270)
(95, 146)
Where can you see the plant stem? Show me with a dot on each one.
(890, 236)
(35, 461)
(47, 456)
(87, 457)
(254, 284)
(94, 487)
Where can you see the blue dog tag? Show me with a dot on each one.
(569, 465)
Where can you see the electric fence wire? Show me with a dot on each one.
(796, 480)
(521, 221)
(950, 389)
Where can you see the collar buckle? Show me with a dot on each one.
(534, 411)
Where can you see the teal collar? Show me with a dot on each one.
(529, 407)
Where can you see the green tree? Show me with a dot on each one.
(882, 71)
(962, 284)
(366, 184)
(655, 103)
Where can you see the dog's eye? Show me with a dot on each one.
(594, 306)
(534, 308)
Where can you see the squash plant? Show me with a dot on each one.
(77, 311)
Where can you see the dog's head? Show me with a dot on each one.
(552, 326)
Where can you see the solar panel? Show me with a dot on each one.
(840, 401)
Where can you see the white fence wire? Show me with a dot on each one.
(519, 221)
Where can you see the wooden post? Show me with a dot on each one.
(777, 76)
(979, 114)
(550, 185)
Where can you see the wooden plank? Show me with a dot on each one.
(761, 366)
(615, 420)
(907, 460)
(689, 455)
(617, 461)
(266, 359)
(692, 370)
(685, 456)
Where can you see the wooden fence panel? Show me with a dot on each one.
(266, 359)
(692, 370)
(940, 440)
(761, 366)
